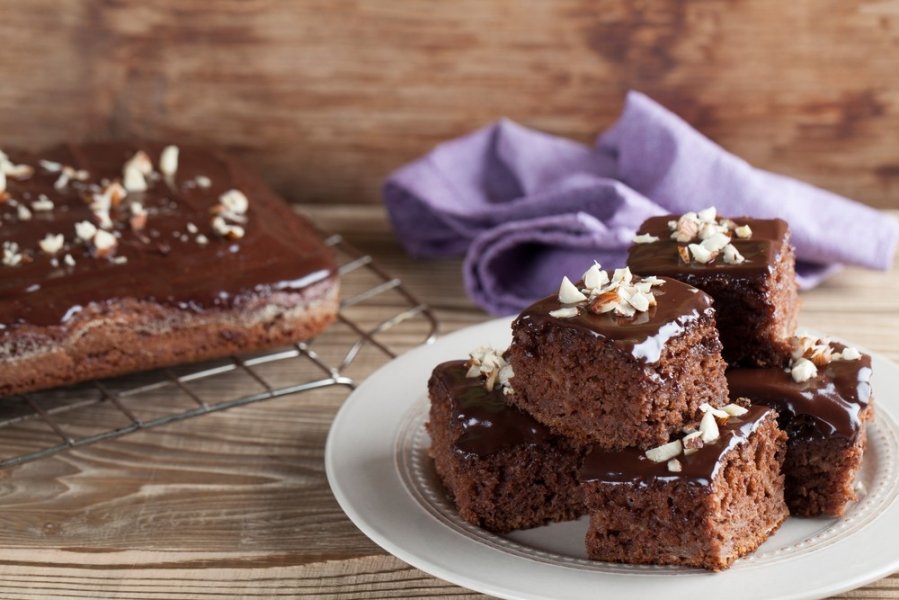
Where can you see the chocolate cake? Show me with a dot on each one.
(695, 503)
(620, 361)
(503, 469)
(120, 257)
(748, 267)
(825, 401)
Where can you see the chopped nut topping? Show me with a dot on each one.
(665, 452)
(8, 168)
(708, 426)
(489, 363)
(134, 180)
(735, 410)
(140, 162)
(105, 243)
(66, 174)
(52, 243)
(674, 466)
(645, 239)
(563, 313)
(69, 260)
(12, 257)
(85, 230)
(226, 230)
(203, 181)
(713, 235)
(620, 294)
(569, 294)
(202, 239)
(802, 370)
(732, 256)
(693, 441)
(23, 213)
(191, 228)
(168, 160)
(850, 353)
(42, 204)
(2, 181)
(234, 202)
(811, 353)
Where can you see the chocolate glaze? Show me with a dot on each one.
(488, 424)
(645, 334)
(630, 466)
(279, 251)
(829, 405)
(761, 251)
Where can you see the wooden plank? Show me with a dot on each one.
(326, 97)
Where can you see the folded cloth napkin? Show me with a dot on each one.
(526, 208)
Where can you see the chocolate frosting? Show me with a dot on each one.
(487, 423)
(645, 334)
(761, 251)
(279, 252)
(630, 466)
(825, 406)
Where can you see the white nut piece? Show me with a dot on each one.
(134, 180)
(569, 294)
(168, 160)
(732, 256)
(709, 428)
(803, 369)
(52, 243)
(708, 214)
(674, 466)
(734, 410)
(665, 452)
(645, 238)
(699, 253)
(234, 201)
(850, 353)
(743, 232)
(566, 312)
(716, 242)
(595, 277)
(103, 241)
(85, 230)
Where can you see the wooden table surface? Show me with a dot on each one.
(236, 504)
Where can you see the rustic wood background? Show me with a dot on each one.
(328, 96)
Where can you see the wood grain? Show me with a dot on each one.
(326, 97)
(236, 504)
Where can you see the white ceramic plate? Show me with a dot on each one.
(377, 465)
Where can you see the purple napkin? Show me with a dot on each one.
(526, 208)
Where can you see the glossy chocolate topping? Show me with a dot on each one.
(761, 251)
(165, 261)
(645, 334)
(488, 424)
(630, 466)
(825, 406)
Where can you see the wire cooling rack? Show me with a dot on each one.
(377, 315)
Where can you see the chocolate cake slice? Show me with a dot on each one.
(825, 402)
(503, 470)
(617, 362)
(748, 267)
(120, 257)
(702, 500)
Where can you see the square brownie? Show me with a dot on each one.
(825, 402)
(621, 361)
(748, 267)
(503, 470)
(694, 503)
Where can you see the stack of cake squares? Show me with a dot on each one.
(671, 401)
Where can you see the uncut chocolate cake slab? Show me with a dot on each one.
(694, 503)
(825, 410)
(747, 265)
(620, 361)
(120, 257)
(503, 470)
